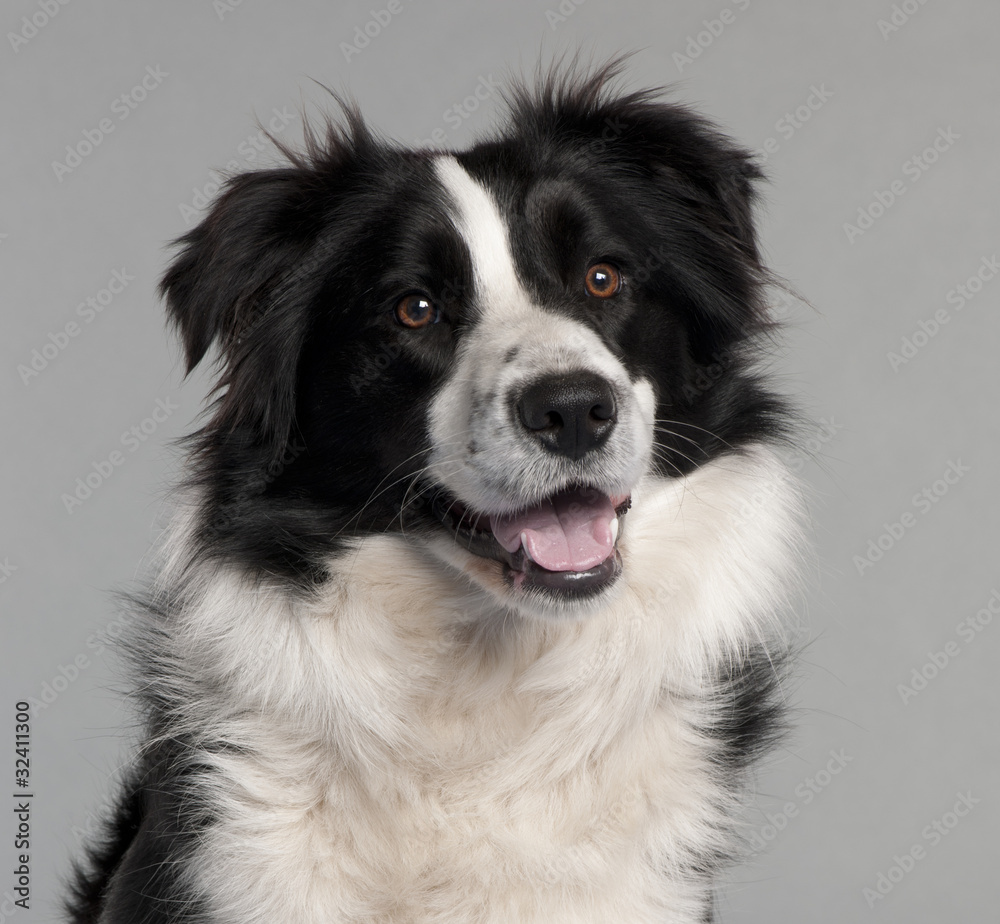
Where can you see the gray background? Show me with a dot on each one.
(889, 433)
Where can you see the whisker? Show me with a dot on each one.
(376, 493)
(681, 423)
(668, 461)
(407, 500)
(664, 453)
(658, 426)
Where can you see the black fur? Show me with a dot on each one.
(291, 279)
(133, 875)
(293, 273)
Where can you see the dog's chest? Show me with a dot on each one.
(515, 774)
(503, 804)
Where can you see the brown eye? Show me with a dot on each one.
(416, 310)
(602, 280)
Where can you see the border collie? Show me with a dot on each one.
(471, 608)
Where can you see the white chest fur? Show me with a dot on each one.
(409, 755)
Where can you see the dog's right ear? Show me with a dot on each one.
(220, 283)
(245, 277)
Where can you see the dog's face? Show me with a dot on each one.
(485, 352)
(538, 432)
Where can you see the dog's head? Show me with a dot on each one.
(485, 352)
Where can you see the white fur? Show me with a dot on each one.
(418, 746)
(479, 450)
(415, 752)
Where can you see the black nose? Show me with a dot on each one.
(569, 414)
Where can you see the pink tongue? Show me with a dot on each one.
(568, 532)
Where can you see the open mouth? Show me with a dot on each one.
(565, 546)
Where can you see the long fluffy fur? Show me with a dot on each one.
(343, 725)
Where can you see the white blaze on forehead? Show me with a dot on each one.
(480, 452)
(482, 228)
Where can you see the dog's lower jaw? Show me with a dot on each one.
(496, 592)
(418, 755)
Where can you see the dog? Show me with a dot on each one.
(471, 606)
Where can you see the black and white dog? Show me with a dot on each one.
(470, 609)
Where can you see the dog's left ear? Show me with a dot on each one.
(730, 181)
(684, 153)
(715, 177)
(703, 192)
